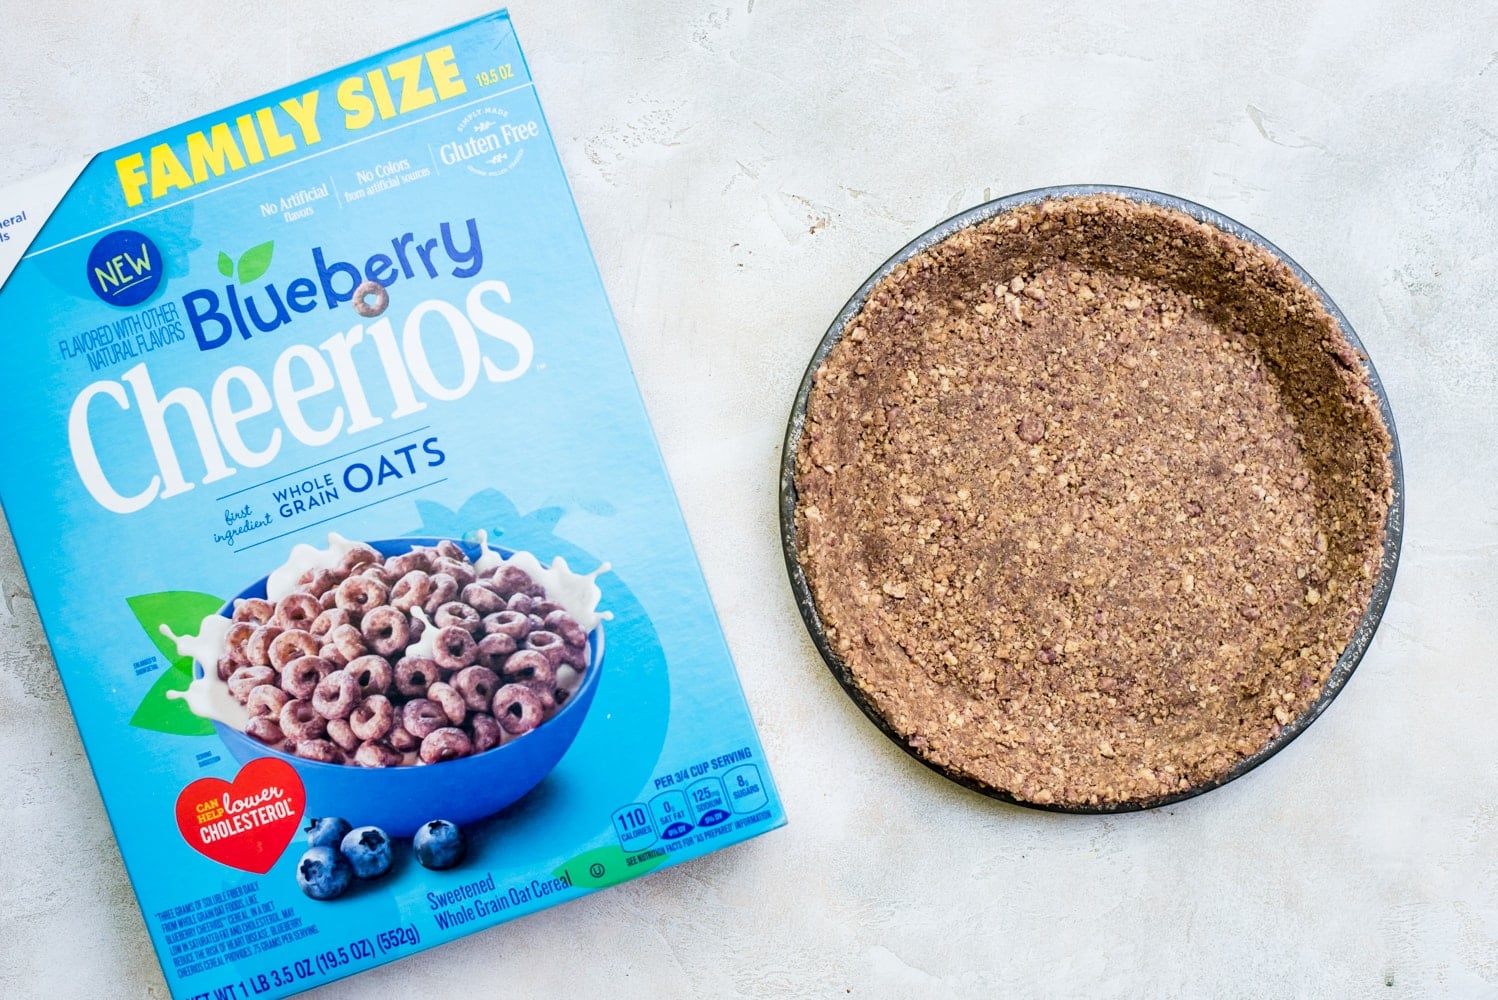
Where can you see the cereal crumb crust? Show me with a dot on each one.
(1090, 498)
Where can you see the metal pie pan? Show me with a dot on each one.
(1393, 528)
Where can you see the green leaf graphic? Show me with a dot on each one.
(225, 265)
(161, 714)
(182, 611)
(255, 262)
(605, 866)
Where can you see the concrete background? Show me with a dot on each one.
(740, 169)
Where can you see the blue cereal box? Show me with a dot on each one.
(348, 530)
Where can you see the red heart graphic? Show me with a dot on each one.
(245, 824)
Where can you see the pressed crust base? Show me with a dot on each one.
(1090, 498)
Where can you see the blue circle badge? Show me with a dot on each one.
(124, 268)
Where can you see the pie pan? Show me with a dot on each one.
(845, 644)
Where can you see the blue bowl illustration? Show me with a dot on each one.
(400, 799)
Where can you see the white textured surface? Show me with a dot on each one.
(740, 170)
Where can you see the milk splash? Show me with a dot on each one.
(425, 647)
(283, 579)
(208, 697)
(577, 592)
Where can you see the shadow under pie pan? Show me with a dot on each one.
(1091, 499)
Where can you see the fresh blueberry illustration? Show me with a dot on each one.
(323, 873)
(327, 832)
(439, 844)
(367, 850)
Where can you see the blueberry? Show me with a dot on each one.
(368, 851)
(439, 844)
(323, 873)
(326, 832)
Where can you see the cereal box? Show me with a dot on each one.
(348, 530)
